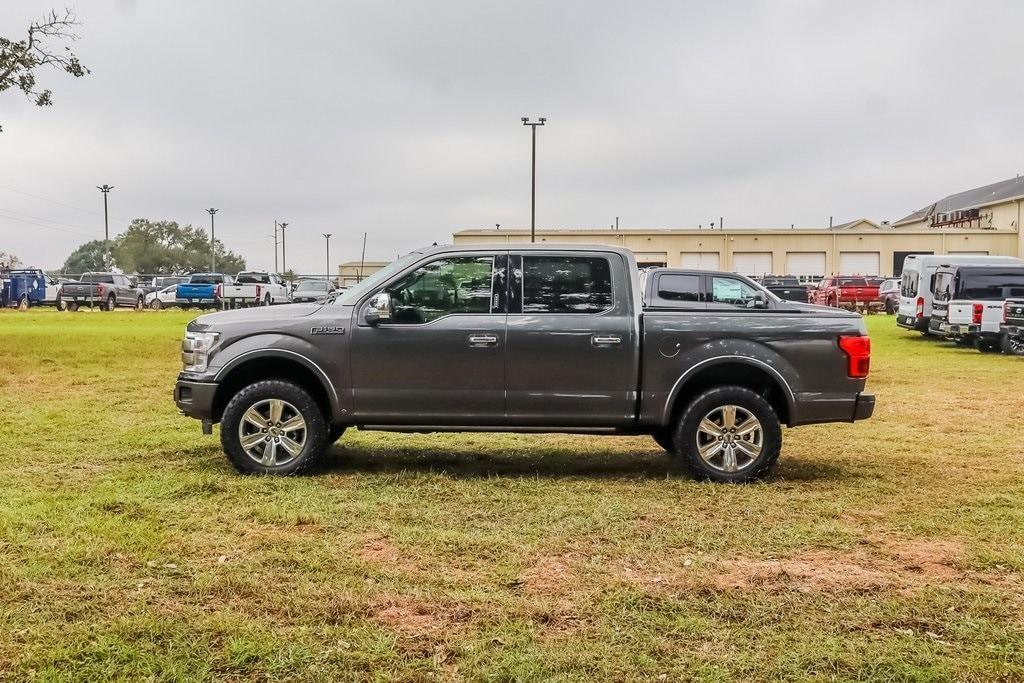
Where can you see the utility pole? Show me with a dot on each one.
(106, 220)
(275, 246)
(213, 243)
(616, 224)
(533, 174)
(362, 260)
(284, 253)
(327, 236)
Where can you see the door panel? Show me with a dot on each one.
(441, 359)
(572, 352)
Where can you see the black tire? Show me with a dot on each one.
(663, 437)
(72, 306)
(890, 307)
(266, 299)
(985, 346)
(686, 434)
(140, 303)
(156, 304)
(335, 433)
(23, 303)
(963, 342)
(315, 431)
(110, 304)
(61, 306)
(1013, 347)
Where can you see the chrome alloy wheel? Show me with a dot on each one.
(272, 432)
(729, 438)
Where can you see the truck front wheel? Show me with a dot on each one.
(273, 427)
(728, 434)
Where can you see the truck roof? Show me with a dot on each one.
(527, 246)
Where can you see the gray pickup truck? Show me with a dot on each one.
(533, 338)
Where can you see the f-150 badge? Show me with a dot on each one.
(330, 329)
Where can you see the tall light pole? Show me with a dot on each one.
(213, 243)
(106, 221)
(327, 236)
(284, 254)
(275, 246)
(533, 174)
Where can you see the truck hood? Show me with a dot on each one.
(272, 315)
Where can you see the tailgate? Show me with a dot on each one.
(240, 292)
(189, 291)
(78, 289)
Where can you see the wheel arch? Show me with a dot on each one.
(279, 364)
(740, 371)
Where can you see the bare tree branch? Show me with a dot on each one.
(19, 60)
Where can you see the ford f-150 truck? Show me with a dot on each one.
(109, 290)
(254, 289)
(534, 338)
(969, 302)
(853, 293)
(1011, 330)
(202, 289)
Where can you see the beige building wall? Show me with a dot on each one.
(677, 245)
(352, 272)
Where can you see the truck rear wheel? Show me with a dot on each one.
(72, 306)
(23, 303)
(111, 303)
(728, 434)
(273, 427)
(1012, 345)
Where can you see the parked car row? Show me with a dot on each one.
(27, 287)
(970, 300)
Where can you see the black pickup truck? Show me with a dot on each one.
(532, 338)
(1011, 330)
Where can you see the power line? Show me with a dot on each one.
(91, 212)
(28, 219)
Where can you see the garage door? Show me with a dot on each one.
(708, 260)
(752, 262)
(858, 263)
(805, 263)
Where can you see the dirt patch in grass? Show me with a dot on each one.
(549, 574)
(379, 550)
(417, 618)
(904, 565)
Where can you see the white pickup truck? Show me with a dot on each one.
(253, 288)
(968, 306)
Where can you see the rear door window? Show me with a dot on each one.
(566, 284)
(992, 286)
(679, 288)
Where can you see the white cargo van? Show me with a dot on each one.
(918, 280)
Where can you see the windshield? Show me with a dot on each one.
(311, 286)
(356, 292)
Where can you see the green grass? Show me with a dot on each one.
(891, 549)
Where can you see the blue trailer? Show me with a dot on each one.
(24, 287)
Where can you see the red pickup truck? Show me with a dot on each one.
(852, 292)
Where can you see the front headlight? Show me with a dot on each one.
(195, 350)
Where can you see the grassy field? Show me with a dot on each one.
(891, 549)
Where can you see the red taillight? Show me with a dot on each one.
(217, 291)
(858, 354)
(259, 288)
(920, 307)
(977, 310)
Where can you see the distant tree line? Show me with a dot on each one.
(153, 247)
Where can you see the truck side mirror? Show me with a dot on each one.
(378, 310)
(759, 300)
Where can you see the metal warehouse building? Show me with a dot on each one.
(985, 220)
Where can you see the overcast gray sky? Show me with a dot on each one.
(402, 118)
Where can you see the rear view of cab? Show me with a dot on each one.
(969, 302)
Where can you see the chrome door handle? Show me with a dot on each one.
(606, 339)
(483, 339)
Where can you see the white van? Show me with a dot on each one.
(918, 280)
